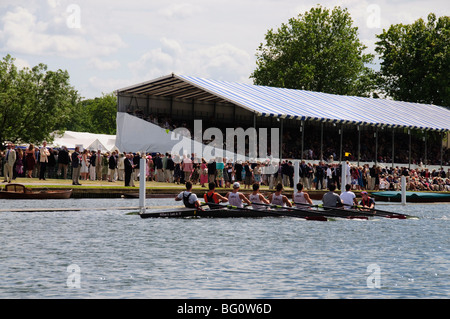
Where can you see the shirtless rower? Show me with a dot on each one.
(257, 198)
(279, 199)
(235, 197)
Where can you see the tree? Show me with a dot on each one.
(33, 102)
(96, 115)
(318, 51)
(103, 112)
(415, 63)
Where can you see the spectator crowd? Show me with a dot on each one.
(46, 162)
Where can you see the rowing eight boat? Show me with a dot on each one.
(314, 212)
(221, 211)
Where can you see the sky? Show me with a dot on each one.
(106, 45)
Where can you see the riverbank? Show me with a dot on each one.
(105, 189)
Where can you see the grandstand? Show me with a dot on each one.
(313, 125)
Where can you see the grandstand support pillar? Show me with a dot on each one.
(359, 143)
(341, 133)
(442, 149)
(425, 140)
(393, 148)
(281, 140)
(321, 141)
(409, 155)
(376, 146)
(302, 129)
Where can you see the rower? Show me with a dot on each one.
(331, 199)
(279, 199)
(367, 202)
(212, 196)
(189, 199)
(235, 198)
(257, 198)
(300, 197)
(348, 197)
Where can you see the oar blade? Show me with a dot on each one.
(317, 218)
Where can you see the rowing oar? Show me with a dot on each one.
(271, 212)
(318, 216)
(347, 215)
(385, 213)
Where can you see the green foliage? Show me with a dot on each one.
(416, 61)
(36, 102)
(318, 51)
(96, 115)
(33, 102)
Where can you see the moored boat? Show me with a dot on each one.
(413, 197)
(19, 191)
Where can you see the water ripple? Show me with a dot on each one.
(123, 256)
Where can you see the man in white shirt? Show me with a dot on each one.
(43, 160)
(348, 197)
(189, 199)
(10, 159)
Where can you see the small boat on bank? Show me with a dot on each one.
(19, 191)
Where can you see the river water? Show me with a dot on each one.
(112, 254)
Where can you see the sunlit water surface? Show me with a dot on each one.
(111, 254)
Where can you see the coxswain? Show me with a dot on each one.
(301, 199)
(279, 199)
(212, 197)
(331, 199)
(257, 198)
(367, 202)
(235, 198)
(189, 199)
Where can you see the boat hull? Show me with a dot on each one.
(37, 195)
(249, 213)
(19, 191)
(412, 197)
(209, 213)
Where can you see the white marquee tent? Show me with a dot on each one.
(90, 141)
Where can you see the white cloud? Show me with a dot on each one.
(221, 61)
(179, 11)
(121, 43)
(106, 85)
(24, 33)
(103, 65)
